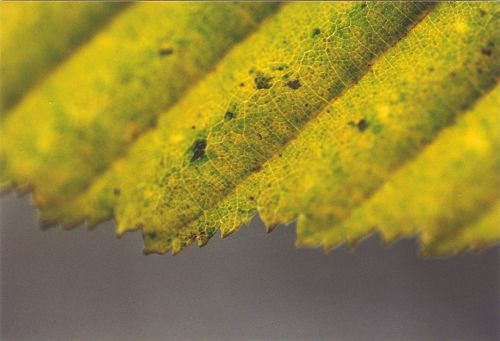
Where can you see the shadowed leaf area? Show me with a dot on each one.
(185, 119)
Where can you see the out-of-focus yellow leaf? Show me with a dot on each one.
(345, 117)
(448, 194)
(35, 36)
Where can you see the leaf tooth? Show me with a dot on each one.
(202, 240)
(226, 232)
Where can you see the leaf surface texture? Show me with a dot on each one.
(345, 117)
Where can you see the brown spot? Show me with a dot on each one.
(229, 115)
(295, 84)
(486, 52)
(361, 124)
(152, 235)
(262, 81)
(198, 149)
(165, 51)
(116, 191)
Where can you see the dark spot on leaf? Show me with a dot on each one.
(431, 69)
(482, 12)
(361, 124)
(242, 84)
(315, 32)
(193, 127)
(116, 191)
(229, 115)
(198, 149)
(251, 198)
(363, 5)
(262, 81)
(152, 235)
(295, 84)
(486, 52)
(165, 51)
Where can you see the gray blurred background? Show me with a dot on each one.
(80, 285)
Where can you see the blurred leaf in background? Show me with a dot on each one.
(36, 36)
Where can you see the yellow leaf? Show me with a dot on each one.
(111, 90)
(35, 36)
(343, 116)
(440, 194)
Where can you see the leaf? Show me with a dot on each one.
(38, 35)
(91, 109)
(342, 116)
(442, 192)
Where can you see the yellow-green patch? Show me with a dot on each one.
(36, 36)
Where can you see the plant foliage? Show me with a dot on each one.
(184, 119)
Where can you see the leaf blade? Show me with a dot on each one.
(89, 111)
(131, 215)
(302, 130)
(37, 36)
